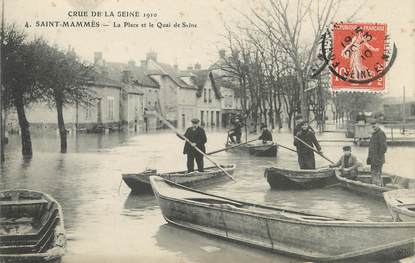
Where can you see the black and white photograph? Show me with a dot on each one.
(192, 131)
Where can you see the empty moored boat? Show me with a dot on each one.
(257, 149)
(140, 182)
(362, 185)
(31, 227)
(283, 178)
(308, 236)
(401, 204)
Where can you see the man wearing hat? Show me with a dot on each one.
(306, 158)
(376, 156)
(197, 136)
(348, 164)
(235, 132)
(266, 135)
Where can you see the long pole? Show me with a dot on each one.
(285, 147)
(195, 147)
(231, 147)
(1, 87)
(306, 144)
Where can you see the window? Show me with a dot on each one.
(110, 108)
(413, 109)
(204, 95)
(201, 117)
(210, 95)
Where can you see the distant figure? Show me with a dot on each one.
(306, 158)
(197, 136)
(348, 164)
(361, 118)
(376, 156)
(266, 135)
(236, 132)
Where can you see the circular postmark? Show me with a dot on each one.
(357, 55)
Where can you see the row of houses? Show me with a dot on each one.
(130, 96)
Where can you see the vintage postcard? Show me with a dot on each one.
(207, 131)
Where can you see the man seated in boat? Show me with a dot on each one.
(236, 132)
(266, 135)
(348, 164)
(306, 159)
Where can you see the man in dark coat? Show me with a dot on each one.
(306, 158)
(236, 132)
(376, 156)
(266, 135)
(197, 136)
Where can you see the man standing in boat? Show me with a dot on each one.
(376, 156)
(348, 164)
(236, 132)
(266, 135)
(306, 158)
(197, 136)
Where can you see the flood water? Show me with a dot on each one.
(105, 223)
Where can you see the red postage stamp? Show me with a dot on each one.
(360, 55)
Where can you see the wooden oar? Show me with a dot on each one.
(191, 144)
(306, 144)
(285, 147)
(231, 147)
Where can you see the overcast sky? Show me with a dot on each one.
(189, 46)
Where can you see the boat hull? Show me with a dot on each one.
(280, 178)
(141, 182)
(311, 240)
(363, 186)
(39, 234)
(260, 150)
(401, 204)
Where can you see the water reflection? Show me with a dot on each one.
(115, 226)
(196, 247)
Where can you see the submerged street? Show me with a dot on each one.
(105, 223)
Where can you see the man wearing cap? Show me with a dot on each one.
(348, 164)
(197, 136)
(236, 132)
(376, 156)
(306, 158)
(266, 135)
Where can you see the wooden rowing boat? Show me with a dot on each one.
(282, 178)
(401, 204)
(362, 185)
(31, 227)
(295, 233)
(139, 182)
(257, 149)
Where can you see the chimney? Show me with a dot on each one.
(189, 68)
(143, 63)
(222, 53)
(126, 76)
(131, 64)
(97, 57)
(176, 67)
(198, 66)
(152, 55)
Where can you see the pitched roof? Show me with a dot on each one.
(115, 71)
(157, 68)
(99, 79)
(199, 78)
